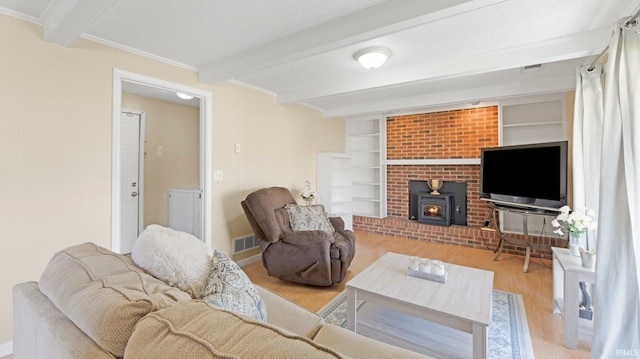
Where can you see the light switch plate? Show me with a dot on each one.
(217, 175)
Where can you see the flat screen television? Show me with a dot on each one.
(531, 175)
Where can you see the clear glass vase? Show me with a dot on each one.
(576, 240)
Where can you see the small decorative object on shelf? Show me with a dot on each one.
(588, 258)
(427, 269)
(307, 194)
(435, 185)
(576, 223)
(585, 310)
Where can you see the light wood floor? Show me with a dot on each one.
(535, 286)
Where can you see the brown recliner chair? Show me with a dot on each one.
(312, 257)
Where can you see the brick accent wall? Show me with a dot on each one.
(398, 177)
(442, 135)
(458, 134)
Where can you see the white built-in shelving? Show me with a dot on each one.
(366, 138)
(334, 177)
(525, 120)
(540, 120)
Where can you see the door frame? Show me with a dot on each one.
(142, 128)
(206, 145)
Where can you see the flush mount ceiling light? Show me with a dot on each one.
(372, 57)
(184, 96)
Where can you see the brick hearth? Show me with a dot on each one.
(465, 236)
(444, 135)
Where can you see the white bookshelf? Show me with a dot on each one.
(334, 178)
(366, 139)
(534, 119)
(533, 122)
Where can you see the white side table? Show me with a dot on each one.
(567, 273)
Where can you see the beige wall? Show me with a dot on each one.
(570, 103)
(176, 128)
(55, 148)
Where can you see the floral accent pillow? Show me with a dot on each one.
(229, 288)
(308, 218)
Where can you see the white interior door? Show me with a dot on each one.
(129, 179)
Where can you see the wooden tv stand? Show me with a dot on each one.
(525, 212)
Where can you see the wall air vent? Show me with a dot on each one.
(531, 68)
(243, 244)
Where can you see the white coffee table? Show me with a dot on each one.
(462, 303)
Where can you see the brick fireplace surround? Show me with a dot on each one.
(448, 135)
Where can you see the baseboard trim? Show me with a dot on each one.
(249, 260)
(6, 349)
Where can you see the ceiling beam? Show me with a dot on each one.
(559, 49)
(64, 20)
(376, 21)
(486, 93)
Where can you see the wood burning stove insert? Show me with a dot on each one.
(452, 202)
(435, 209)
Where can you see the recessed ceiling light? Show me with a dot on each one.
(184, 96)
(372, 57)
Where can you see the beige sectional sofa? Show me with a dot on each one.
(93, 303)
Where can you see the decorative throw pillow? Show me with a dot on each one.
(308, 218)
(228, 287)
(177, 258)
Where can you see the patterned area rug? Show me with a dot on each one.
(508, 332)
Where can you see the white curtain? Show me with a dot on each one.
(587, 140)
(617, 290)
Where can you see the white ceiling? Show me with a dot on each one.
(443, 52)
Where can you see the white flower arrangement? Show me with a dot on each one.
(307, 194)
(576, 222)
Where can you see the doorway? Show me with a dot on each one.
(119, 242)
(132, 127)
